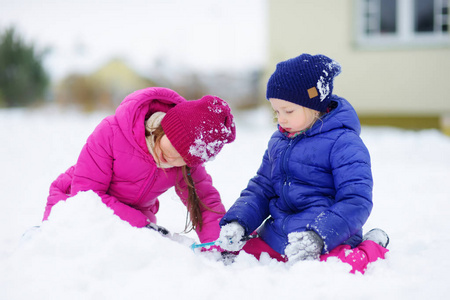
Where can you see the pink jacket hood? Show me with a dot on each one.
(138, 106)
(116, 164)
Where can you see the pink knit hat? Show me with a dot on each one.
(198, 129)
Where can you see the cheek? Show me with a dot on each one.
(166, 147)
(308, 118)
(299, 118)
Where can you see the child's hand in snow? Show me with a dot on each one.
(231, 236)
(306, 245)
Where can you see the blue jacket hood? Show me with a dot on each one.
(343, 116)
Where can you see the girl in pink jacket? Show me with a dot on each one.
(154, 141)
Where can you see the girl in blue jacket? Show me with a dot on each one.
(313, 191)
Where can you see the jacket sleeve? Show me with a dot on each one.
(252, 207)
(208, 194)
(59, 190)
(94, 171)
(351, 170)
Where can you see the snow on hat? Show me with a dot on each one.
(305, 80)
(198, 129)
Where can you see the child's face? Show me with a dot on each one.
(167, 154)
(292, 117)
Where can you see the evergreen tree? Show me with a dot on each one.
(23, 79)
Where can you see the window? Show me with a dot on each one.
(380, 17)
(402, 22)
(430, 16)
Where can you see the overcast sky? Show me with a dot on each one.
(199, 34)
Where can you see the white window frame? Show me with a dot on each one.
(406, 34)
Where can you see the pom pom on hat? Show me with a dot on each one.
(199, 129)
(305, 80)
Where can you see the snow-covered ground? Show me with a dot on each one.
(85, 252)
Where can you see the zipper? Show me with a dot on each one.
(284, 163)
(284, 168)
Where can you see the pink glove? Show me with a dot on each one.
(213, 248)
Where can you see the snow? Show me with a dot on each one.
(323, 84)
(231, 236)
(207, 148)
(303, 246)
(324, 87)
(85, 252)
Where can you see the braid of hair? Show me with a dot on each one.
(193, 202)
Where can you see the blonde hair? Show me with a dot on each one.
(314, 114)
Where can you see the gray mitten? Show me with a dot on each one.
(232, 237)
(306, 245)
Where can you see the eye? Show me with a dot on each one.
(289, 111)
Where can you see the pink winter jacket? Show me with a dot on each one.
(116, 164)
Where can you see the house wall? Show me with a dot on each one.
(398, 82)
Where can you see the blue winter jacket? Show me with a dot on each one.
(320, 181)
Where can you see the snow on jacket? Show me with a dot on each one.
(116, 164)
(320, 181)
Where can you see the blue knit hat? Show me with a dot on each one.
(305, 80)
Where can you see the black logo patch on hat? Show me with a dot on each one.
(312, 92)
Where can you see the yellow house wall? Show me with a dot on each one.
(398, 81)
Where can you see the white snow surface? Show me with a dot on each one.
(85, 252)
